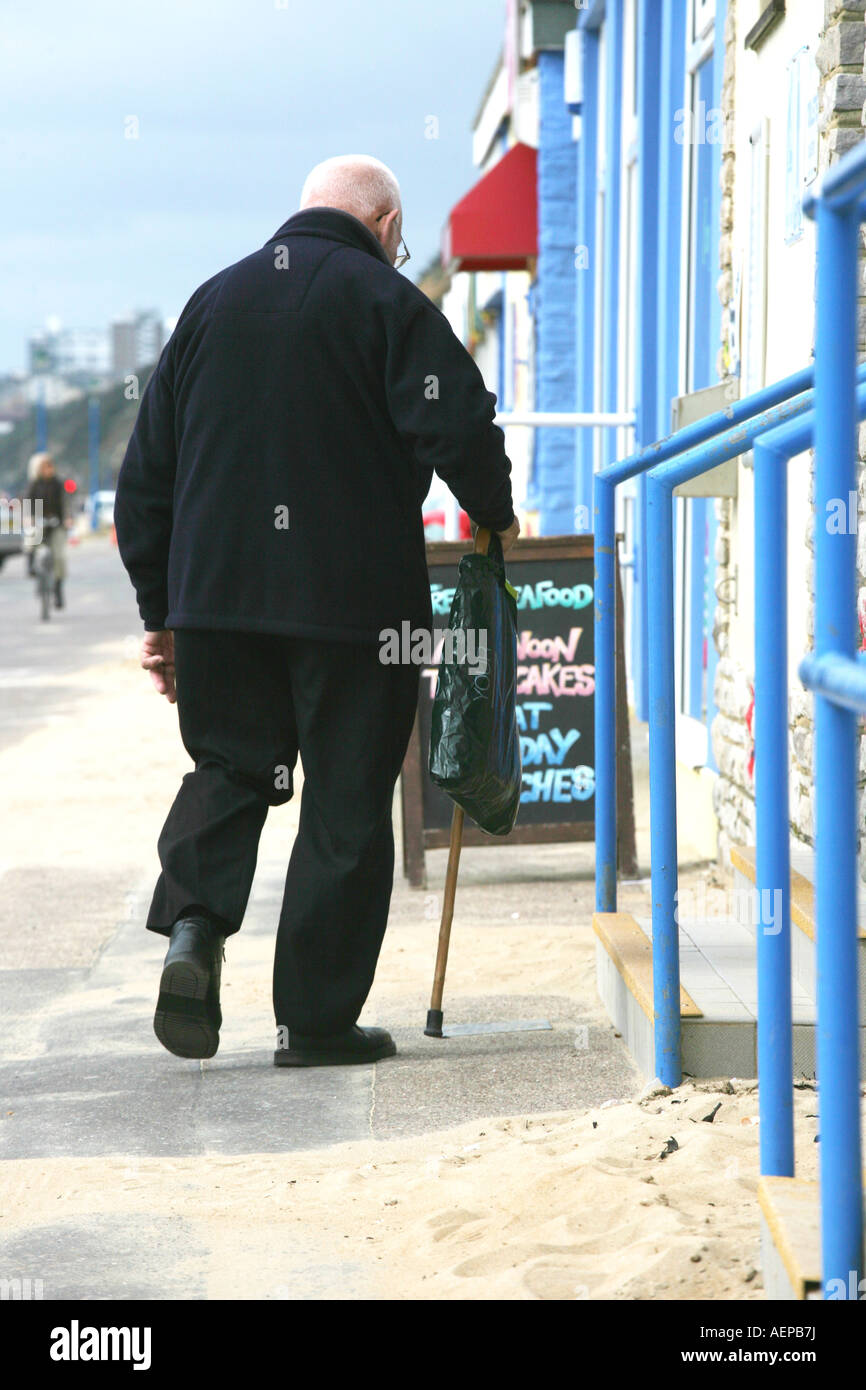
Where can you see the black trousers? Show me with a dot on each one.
(247, 705)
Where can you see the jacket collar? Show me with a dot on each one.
(333, 225)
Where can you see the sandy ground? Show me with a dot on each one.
(576, 1205)
(570, 1205)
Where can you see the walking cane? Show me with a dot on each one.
(434, 1013)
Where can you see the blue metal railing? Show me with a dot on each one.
(835, 676)
(779, 423)
(772, 917)
(605, 484)
(661, 482)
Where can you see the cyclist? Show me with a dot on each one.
(47, 489)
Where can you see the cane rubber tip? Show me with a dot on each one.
(434, 1024)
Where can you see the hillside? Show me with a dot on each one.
(68, 440)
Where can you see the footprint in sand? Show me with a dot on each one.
(613, 1167)
(496, 1261)
(558, 1281)
(447, 1223)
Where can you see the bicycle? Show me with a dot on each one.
(44, 567)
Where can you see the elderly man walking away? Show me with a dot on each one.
(268, 512)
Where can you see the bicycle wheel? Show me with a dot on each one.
(43, 581)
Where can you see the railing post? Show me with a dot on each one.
(605, 696)
(835, 761)
(663, 791)
(773, 869)
(696, 447)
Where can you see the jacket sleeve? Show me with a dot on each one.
(444, 412)
(144, 497)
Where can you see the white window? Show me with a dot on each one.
(628, 242)
(699, 347)
(801, 137)
(628, 292)
(702, 17)
(755, 286)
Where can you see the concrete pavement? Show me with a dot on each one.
(82, 1074)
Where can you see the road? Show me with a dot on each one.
(100, 610)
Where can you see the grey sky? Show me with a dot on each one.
(236, 100)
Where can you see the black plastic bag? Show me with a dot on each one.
(474, 743)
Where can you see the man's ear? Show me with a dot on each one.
(384, 232)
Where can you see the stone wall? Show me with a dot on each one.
(840, 58)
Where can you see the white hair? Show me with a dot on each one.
(355, 183)
(36, 462)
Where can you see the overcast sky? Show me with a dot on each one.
(235, 101)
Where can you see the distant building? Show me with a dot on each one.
(69, 352)
(635, 244)
(83, 350)
(123, 353)
(52, 390)
(41, 355)
(136, 342)
(506, 237)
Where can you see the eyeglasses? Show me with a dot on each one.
(401, 259)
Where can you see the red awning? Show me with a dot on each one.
(495, 226)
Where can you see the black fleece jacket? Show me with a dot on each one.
(287, 437)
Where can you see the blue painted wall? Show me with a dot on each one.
(556, 329)
(653, 199)
(587, 178)
(612, 226)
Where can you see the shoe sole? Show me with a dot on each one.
(183, 1022)
(294, 1057)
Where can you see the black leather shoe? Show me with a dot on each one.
(188, 1017)
(335, 1050)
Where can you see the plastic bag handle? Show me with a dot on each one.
(489, 544)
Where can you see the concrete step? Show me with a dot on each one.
(790, 1238)
(791, 1241)
(802, 913)
(718, 995)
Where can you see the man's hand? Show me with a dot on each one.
(507, 537)
(510, 536)
(157, 657)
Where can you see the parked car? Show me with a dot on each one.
(104, 504)
(11, 538)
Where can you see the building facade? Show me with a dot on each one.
(136, 342)
(672, 272)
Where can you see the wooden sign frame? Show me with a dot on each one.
(417, 837)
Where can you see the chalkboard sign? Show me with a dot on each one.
(555, 702)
